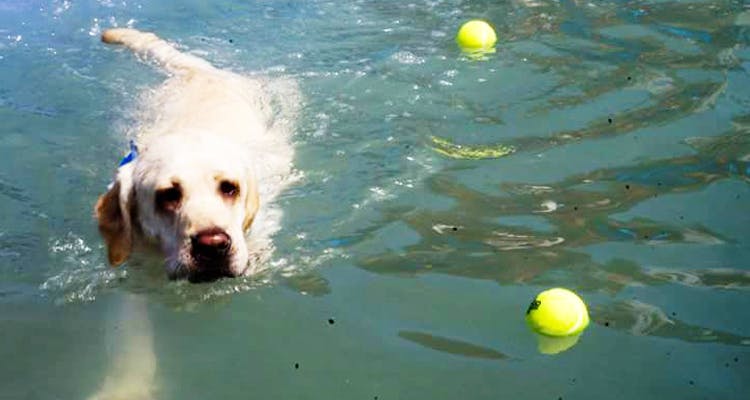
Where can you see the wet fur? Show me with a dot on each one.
(202, 125)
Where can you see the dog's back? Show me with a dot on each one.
(199, 98)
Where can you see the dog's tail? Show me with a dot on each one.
(151, 46)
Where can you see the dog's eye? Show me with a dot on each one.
(168, 199)
(229, 189)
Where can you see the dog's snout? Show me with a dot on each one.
(211, 243)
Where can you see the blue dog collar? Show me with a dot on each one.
(132, 154)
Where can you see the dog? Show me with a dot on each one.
(209, 136)
(210, 153)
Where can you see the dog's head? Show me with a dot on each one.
(196, 198)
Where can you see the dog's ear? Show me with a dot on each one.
(113, 210)
(252, 202)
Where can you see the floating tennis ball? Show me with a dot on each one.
(476, 35)
(557, 312)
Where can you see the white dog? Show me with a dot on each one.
(212, 151)
(209, 138)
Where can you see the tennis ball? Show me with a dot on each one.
(557, 312)
(476, 35)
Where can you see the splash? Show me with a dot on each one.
(82, 273)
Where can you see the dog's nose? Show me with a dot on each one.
(211, 243)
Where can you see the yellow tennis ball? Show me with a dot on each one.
(557, 312)
(475, 35)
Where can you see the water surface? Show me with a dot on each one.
(605, 147)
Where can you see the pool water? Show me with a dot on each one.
(604, 147)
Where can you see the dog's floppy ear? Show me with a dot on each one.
(113, 211)
(252, 202)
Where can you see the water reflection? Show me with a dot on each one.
(681, 57)
(470, 239)
(583, 204)
(581, 217)
(642, 319)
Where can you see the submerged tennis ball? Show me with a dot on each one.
(557, 312)
(550, 345)
(476, 35)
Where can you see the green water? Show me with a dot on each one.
(605, 147)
